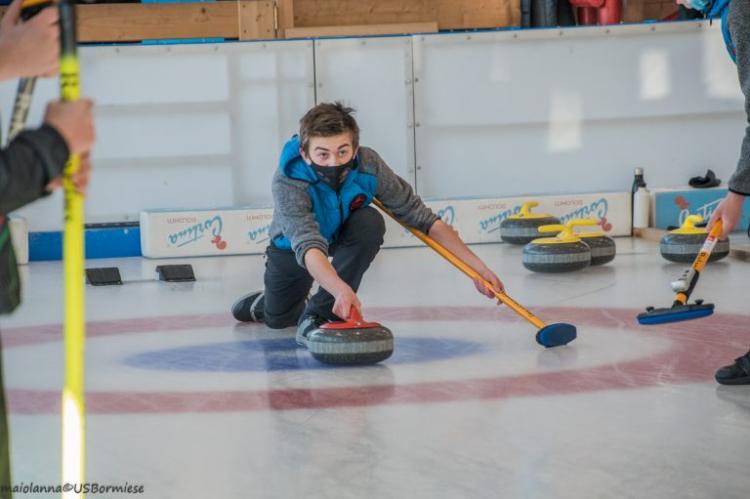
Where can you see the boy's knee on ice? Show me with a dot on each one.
(280, 321)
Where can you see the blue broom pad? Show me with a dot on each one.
(675, 314)
(555, 335)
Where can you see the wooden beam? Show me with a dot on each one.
(129, 22)
(362, 30)
(133, 22)
(309, 13)
(641, 10)
(632, 11)
(454, 14)
(450, 14)
(284, 17)
(229, 19)
(256, 19)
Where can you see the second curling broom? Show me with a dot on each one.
(681, 310)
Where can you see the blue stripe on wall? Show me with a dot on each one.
(110, 242)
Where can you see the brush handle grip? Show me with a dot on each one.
(700, 262)
(463, 267)
(708, 246)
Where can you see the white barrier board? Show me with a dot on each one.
(240, 231)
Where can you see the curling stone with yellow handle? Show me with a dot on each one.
(522, 227)
(683, 245)
(603, 248)
(563, 253)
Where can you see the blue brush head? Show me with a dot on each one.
(676, 313)
(555, 335)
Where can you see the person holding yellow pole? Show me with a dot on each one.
(31, 166)
(735, 28)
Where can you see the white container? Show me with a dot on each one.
(19, 233)
(641, 208)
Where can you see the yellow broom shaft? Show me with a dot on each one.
(702, 259)
(705, 253)
(466, 269)
(73, 407)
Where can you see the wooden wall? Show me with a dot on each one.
(269, 19)
(449, 14)
(647, 10)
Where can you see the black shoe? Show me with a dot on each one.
(709, 180)
(308, 324)
(249, 308)
(737, 373)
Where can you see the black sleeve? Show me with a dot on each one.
(28, 164)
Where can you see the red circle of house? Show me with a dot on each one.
(697, 349)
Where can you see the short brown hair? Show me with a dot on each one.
(326, 120)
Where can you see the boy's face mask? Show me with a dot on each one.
(699, 5)
(328, 151)
(334, 176)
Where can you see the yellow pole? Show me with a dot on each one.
(73, 408)
(701, 259)
(466, 269)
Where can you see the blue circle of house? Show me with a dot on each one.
(283, 354)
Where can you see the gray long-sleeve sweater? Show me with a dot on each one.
(293, 214)
(739, 28)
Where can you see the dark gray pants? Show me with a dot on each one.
(287, 284)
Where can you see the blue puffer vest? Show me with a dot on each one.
(331, 208)
(720, 8)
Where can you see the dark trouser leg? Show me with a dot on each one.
(4, 442)
(286, 287)
(358, 242)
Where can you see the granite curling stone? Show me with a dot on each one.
(683, 245)
(522, 227)
(353, 342)
(562, 253)
(603, 247)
